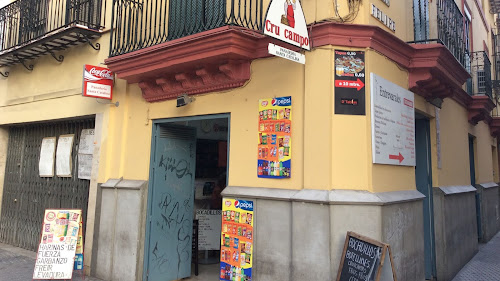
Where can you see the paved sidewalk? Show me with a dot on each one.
(17, 264)
(485, 266)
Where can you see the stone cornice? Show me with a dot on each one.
(219, 59)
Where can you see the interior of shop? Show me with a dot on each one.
(210, 179)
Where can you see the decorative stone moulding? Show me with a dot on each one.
(495, 126)
(479, 109)
(209, 78)
(220, 59)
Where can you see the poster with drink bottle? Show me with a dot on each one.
(275, 141)
(236, 258)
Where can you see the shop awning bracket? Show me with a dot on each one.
(20, 60)
(49, 50)
(6, 74)
(97, 46)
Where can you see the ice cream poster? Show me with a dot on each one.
(58, 244)
(237, 235)
(275, 141)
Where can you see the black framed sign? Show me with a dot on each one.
(350, 82)
(365, 259)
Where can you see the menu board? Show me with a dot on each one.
(58, 245)
(350, 82)
(236, 240)
(63, 155)
(275, 141)
(47, 153)
(365, 259)
(393, 123)
(209, 225)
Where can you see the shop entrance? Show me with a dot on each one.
(423, 177)
(188, 172)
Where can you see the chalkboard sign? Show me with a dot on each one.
(363, 259)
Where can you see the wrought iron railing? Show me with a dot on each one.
(450, 28)
(481, 74)
(138, 24)
(25, 20)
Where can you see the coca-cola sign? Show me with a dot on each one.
(97, 82)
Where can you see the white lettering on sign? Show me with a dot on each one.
(387, 2)
(209, 227)
(103, 73)
(286, 53)
(383, 18)
(393, 123)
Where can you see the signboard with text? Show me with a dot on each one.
(393, 123)
(58, 246)
(350, 82)
(285, 21)
(365, 259)
(97, 82)
(209, 225)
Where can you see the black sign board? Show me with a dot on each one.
(363, 259)
(350, 82)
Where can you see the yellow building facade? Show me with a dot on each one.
(156, 164)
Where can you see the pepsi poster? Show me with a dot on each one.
(236, 260)
(350, 82)
(275, 142)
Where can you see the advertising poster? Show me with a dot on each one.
(79, 249)
(393, 123)
(275, 141)
(236, 259)
(56, 252)
(350, 82)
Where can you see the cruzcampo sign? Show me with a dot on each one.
(285, 21)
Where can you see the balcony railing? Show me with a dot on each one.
(450, 28)
(481, 74)
(26, 20)
(138, 24)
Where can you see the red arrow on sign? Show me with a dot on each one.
(397, 157)
(358, 84)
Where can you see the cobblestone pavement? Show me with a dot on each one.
(17, 264)
(485, 266)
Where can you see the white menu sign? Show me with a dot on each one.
(209, 228)
(63, 155)
(393, 123)
(47, 152)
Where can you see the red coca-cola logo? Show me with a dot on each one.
(103, 73)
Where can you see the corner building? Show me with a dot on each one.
(159, 156)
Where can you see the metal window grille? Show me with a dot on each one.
(26, 195)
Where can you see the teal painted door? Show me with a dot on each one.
(171, 200)
(472, 167)
(423, 179)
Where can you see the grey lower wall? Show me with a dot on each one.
(117, 251)
(490, 217)
(299, 235)
(455, 229)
